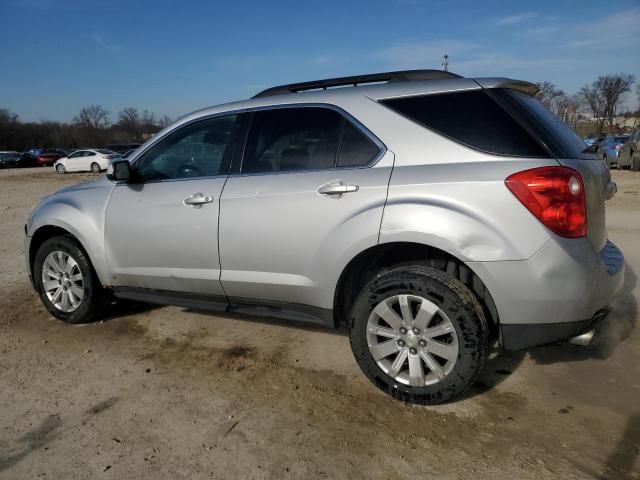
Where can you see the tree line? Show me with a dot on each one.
(592, 110)
(596, 106)
(91, 127)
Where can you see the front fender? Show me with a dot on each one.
(80, 210)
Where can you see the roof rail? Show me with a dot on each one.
(398, 76)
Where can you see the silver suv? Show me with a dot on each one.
(431, 214)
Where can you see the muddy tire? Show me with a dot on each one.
(66, 281)
(95, 168)
(438, 330)
(60, 169)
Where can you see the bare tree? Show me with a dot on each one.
(591, 97)
(129, 121)
(164, 121)
(548, 94)
(93, 116)
(613, 88)
(568, 109)
(148, 118)
(604, 96)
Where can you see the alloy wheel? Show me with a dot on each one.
(412, 340)
(62, 281)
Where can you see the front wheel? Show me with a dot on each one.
(419, 334)
(60, 168)
(95, 168)
(68, 286)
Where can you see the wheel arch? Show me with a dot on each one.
(45, 232)
(378, 258)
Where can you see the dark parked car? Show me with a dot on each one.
(629, 156)
(122, 147)
(49, 156)
(9, 159)
(128, 153)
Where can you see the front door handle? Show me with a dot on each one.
(197, 200)
(337, 189)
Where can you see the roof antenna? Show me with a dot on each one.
(445, 63)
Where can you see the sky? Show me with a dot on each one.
(173, 57)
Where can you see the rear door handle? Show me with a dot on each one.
(337, 189)
(197, 200)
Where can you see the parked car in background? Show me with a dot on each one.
(9, 159)
(609, 149)
(128, 153)
(629, 156)
(122, 147)
(48, 157)
(86, 161)
(432, 215)
(28, 159)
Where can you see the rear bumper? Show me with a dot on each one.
(518, 337)
(558, 293)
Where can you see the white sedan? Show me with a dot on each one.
(86, 161)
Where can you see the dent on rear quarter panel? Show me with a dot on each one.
(462, 208)
(81, 211)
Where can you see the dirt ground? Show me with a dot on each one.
(172, 393)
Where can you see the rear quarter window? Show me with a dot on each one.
(472, 118)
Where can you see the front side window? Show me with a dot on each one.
(304, 138)
(200, 149)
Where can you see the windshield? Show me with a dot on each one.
(621, 139)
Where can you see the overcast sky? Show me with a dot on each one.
(172, 57)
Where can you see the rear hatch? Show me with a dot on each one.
(569, 150)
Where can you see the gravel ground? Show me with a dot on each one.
(173, 393)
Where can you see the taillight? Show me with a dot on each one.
(555, 196)
(618, 147)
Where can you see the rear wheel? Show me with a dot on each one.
(419, 334)
(60, 168)
(68, 286)
(95, 168)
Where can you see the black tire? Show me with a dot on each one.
(61, 169)
(96, 298)
(455, 300)
(95, 168)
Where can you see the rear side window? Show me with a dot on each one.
(471, 118)
(302, 139)
(356, 149)
(561, 140)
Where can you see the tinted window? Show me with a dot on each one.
(622, 139)
(557, 136)
(471, 118)
(200, 149)
(356, 149)
(289, 139)
(306, 138)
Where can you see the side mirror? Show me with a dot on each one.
(119, 171)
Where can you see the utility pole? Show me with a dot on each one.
(445, 63)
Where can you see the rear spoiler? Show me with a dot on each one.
(497, 82)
